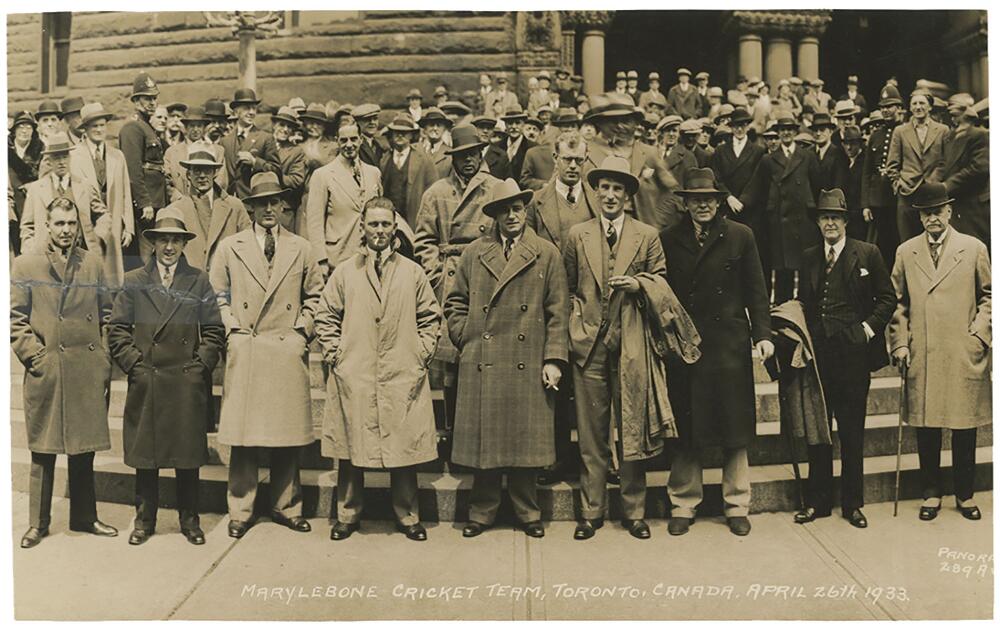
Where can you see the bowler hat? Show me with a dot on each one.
(889, 96)
(195, 114)
(71, 104)
(463, 138)
(503, 194)
(617, 169)
(852, 133)
(169, 221)
(930, 195)
(23, 117)
(143, 85)
(92, 112)
(244, 96)
(740, 116)
(566, 116)
(700, 181)
(48, 108)
(215, 109)
(314, 112)
(402, 123)
(434, 115)
(264, 184)
(822, 120)
(287, 115)
(198, 155)
(57, 142)
(832, 200)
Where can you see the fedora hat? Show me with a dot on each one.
(198, 155)
(455, 107)
(852, 133)
(700, 182)
(23, 117)
(514, 113)
(930, 195)
(143, 85)
(168, 221)
(434, 115)
(889, 96)
(740, 116)
(403, 123)
(464, 137)
(286, 115)
(264, 184)
(484, 121)
(565, 116)
(822, 120)
(315, 112)
(784, 120)
(215, 109)
(845, 108)
(74, 104)
(832, 200)
(195, 114)
(92, 112)
(57, 143)
(48, 108)
(617, 169)
(504, 193)
(611, 105)
(244, 96)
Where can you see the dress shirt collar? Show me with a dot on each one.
(209, 195)
(93, 148)
(838, 247)
(941, 238)
(789, 150)
(618, 223)
(739, 145)
(564, 190)
(163, 269)
(261, 234)
(65, 181)
(400, 156)
(241, 130)
(821, 150)
(512, 240)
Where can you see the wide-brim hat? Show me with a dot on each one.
(402, 123)
(700, 181)
(21, 118)
(47, 108)
(286, 115)
(434, 115)
(244, 96)
(832, 200)
(504, 193)
(930, 195)
(463, 138)
(614, 168)
(315, 112)
(199, 157)
(822, 120)
(740, 115)
(845, 108)
(612, 105)
(168, 221)
(195, 114)
(74, 104)
(57, 142)
(565, 116)
(92, 112)
(263, 185)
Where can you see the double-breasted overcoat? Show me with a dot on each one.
(228, 217)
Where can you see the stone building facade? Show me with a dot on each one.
(356, 56)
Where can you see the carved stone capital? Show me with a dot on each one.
(789, 24)
(968, 41)
(587, 20)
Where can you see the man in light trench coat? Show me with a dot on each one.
(166, 335)
(59, 300)
(378, 322)
(507, 314)
(941, 332)
(268, 285)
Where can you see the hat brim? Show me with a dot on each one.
(49, 113)
(23, 121)
(591, 115)
(275, 193)
(700, 191)
(828, 209)
(286, 120)
(492, 208)
(145, 93)
(630, 181)
(404, 130)
(49, 152)
(466, 147)
(447, 122)
(305, 116)
(107, 116)
(943, 202)
(233, 104)
(890, 101)
(151, 233)
(199, 163)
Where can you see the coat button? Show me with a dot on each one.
(520, 336)
(90, 317)
(62, 348)
(377, 320)
(716, 318)
(520, 366)
(718, 290)
(281, 337)
(183, 341)
(185, 369)
(486, 309)
(91, 346)
(255, 333)
(246, 306)
(154, 343)
(524, 307)
(482, 228)
(486, 336)
(451, 272)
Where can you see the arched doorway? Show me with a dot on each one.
(663, 41)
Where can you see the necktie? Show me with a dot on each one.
(612, 235)
(60, 187)
(570, 197)
(831, 258)
(702, 235)
(241, 135)
(204, 211)
(357, 173)
(935, 252)
(168, 277)
(378, 264)
(507, 245)
(269, 245)
(398, 159)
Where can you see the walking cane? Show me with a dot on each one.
(795, 470)
(903, 414)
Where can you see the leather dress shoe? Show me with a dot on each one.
(342, 530)
(637, 528)
(534, 529)
(98, 528)
(679, 525)
(238, 528)
(549, 477)
(970, 512)
(739, 526)
(298, 524)
(586, 528)
(195, 535)
(416, 532)
(928, 513)
(474, 529)
(809, 514)
(856, 518)
(139, 537)
(34, 537)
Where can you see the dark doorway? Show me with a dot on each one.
(664, 41)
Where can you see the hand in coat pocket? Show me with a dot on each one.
(978, 348)
(35, 364)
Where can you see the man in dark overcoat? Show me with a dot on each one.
(966, 175)
(507, 316)
(734, 163)
(248, 149)
(714, 267)
(59, 301)
(785, 184)
(832, 159)
(166, 335)
(878, 200)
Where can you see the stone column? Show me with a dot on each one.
(593, 24)
(976, 77)
(750, 55)
(567, 24)
(964, 80)
(808, 58)
(777, 60)
(984, 74)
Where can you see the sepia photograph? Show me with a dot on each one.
(553, 314)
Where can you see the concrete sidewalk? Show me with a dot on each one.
(896, 569)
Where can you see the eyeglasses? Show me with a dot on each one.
(573, 160)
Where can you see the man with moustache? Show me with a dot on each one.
(144, 158)
(196, 123)
(175, 133)
(406, 171)
(516, 145)
(848, 299)
(878, 199)
(248, 149)
(435, 126)
(337, 193)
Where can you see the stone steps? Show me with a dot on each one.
(445, 496)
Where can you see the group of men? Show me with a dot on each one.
(610, 290)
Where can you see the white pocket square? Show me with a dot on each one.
(864, 272)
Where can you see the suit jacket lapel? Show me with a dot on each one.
(154, 288)
(492, 259)
(548, 210)
(628, 247)
(521, 256)
(592, 250)
(474, 183)
(284, 254)
(179, 292)
(345, 179)
(951, 256)
(933, 131)
(922, 257)
(247, 250)
(744, 155)
(220, 214)
(797, 157)
(954, 147)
